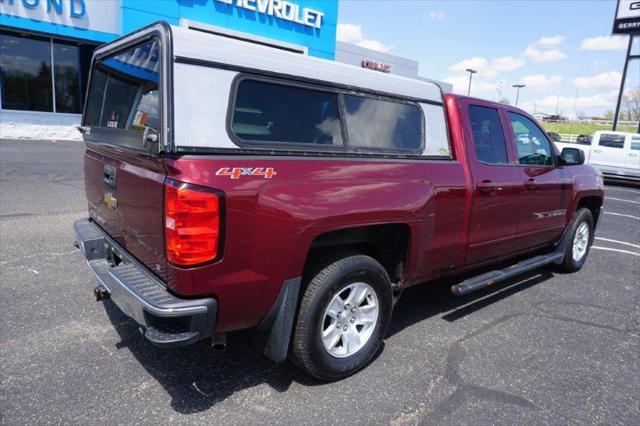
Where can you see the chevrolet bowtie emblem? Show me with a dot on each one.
(110, 200)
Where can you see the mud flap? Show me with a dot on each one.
(274, 332)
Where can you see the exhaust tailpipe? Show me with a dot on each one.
(219, 341)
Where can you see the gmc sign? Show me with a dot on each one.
(376, 66)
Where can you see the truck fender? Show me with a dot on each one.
(587, 184)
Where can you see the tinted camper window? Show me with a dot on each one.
(381, 124)
(280, 114)
(123, 92)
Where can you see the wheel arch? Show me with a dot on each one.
(593, 203)
(389, 244)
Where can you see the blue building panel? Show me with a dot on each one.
(244, 16)
(133, 19)
(56, 29)
(309, 23)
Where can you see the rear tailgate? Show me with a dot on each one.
(124, 173)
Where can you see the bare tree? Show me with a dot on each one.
(631, 102)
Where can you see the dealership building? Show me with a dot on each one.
(46, 47)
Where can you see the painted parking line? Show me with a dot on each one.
(623, 215)
(620, 199)
(617, 242)
(633, 191)
(616, 250)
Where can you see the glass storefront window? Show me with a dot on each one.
(70, 68)
(25, 73)
(67, 77)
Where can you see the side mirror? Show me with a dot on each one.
(571, 157)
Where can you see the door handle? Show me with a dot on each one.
(599, 151)
(531, 184)
(486, 186)
(109, 173)
(633, 154)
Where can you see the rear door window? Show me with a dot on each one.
(611, 140)
(124, 95)
(282, 114)
(488, 135)
(635, 143)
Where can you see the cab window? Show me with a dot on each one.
(635, 143)
(611, 140)
(533, 146)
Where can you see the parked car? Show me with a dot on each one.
(232, 186)
(616, 154)
(554, 118)
(554, 136)
(583, 139)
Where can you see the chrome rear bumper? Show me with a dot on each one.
(168, 320)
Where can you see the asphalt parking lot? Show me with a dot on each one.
(545, 349)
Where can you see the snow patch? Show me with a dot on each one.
(39, 125)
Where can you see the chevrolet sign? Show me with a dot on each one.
(281, 9)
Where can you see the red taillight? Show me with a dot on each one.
(192, 224)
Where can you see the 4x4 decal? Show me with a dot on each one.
(237, 172)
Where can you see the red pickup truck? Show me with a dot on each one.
(232, 185)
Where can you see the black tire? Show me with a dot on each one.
(307, 349)
(570, 264)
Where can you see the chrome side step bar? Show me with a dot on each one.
(485, 280)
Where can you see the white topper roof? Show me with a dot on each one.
(199, 45)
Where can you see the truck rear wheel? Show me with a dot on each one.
(343, 317)
(580, 236)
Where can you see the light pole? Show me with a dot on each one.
(575, 103)
(471, 73)
(624, 78)
(499, 85)
(518, 87)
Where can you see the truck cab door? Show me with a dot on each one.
(497, 184)
(608, 153)
(633, 156)
(547, 188)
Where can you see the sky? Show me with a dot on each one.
(562, 50)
